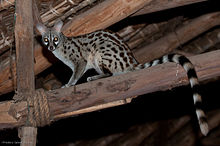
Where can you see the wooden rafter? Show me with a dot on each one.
(6, 83)
(61, 6)
(7, 71)
(113, 91)
(106, 14)
(181, 35)
(159, 5)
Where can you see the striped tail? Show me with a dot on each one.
(193, 79)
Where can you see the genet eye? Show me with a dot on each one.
(55, 39)
(46, 39)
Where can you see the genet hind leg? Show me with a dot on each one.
(102, 70)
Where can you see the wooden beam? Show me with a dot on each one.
(100, 21)
(102, 16)
(24, 47)
(154, 6)
(175, 39)
(186, 134)
(7, 75)
(113, 91)
(158, 5)
(8, 70)
(24, 40)
(136, 135)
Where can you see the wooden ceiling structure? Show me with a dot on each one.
(151, 28)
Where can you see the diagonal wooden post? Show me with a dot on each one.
(25, 64)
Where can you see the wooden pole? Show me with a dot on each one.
(113, 91)
(25, 63)
(175, 39)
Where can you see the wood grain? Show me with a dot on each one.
(109, 91)
(24, 47)
(102, 16)
(41, 62)
(86, 22)
(175, 39)
(158, 5)
(24, 40)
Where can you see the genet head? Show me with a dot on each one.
(51, 37)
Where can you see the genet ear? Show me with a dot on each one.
(58, 25)
(41, 28)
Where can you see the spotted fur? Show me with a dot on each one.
(106, 52)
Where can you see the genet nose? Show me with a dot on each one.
(51, 48)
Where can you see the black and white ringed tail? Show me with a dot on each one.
(193, 79)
